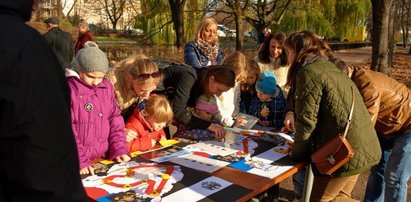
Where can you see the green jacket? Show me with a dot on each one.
(323, 99)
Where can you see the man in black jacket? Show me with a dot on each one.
(60, 41)
(38, 156)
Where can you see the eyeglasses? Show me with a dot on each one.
(145, 76)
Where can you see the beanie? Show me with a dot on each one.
(207, 105)
(267, 83)
(90, 59)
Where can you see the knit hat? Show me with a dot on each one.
(207, 105)
(90, 59)
(267, 83)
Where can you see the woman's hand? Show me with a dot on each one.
(130, 135)
(265, 112)
(218, 130)
(288, 123)
(123, 158)
(87, 170)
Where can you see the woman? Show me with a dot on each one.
(272, 57)
(134, 78)
(183, 86)
(84, 35)
(321, 96)
(204, 50)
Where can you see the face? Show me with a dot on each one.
(251, 78)
(216, 88)
(291, 54)
(81, 29)
(209, 33)
(144, 88)
(263, 97)
(275, 48)
(92, 78)
(154, 125)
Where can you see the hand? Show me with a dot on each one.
(265, 112)
(130, 135)
(218, 130)
(123, 158)
(288, 123)
(87, 170)
(264, 123)
(241, 121)
(153, 142)
(163, 137)
(289, 145)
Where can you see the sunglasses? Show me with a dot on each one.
(145, 76)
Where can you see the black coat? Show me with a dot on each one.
(62, 44)
(38, 154)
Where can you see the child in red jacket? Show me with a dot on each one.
(145, 127)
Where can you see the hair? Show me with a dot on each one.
(304, 43)
(252, 68)
(204, 23)
(222, 74)
(264, 52)
(159, 109)
(237, 62)
(83, 24)
(133, 66)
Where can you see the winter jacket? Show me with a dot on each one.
(323, 99)
(387, 100)
(194, 57)
(97, 124)
(62, 44)
(38, 153)
(82, 39)
(138, 124)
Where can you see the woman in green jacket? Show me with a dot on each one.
(322, 99)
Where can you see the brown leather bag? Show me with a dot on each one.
(336, 152)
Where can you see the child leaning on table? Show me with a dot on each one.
(145, 126)
(96, 121)
(269, 107)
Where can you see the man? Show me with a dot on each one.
(38, 160)
(60, 41)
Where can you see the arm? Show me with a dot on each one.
(191, 56)
(142, 141)
(277, 108)
(225, 105)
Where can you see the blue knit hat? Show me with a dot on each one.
(267, 83)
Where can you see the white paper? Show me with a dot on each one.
(200, 163)
(214, 149)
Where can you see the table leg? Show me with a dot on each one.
(308, 184)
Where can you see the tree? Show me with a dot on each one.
(112, 9)
(177, 15)
(380, 19)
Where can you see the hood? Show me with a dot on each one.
(22, 8)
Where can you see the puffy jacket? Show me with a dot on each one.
(194, 57)
(96, 121)
(387, 100)
(322, 103)
(138, 124)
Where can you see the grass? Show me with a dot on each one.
(111, 39)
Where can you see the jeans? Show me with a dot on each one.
(298, 181)
(388, 179)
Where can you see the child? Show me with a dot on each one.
(96, 121)
(145, 127)
(270, 104)
(206, 109)
(248, 92)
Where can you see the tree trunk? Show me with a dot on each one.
(391, 36)
(177, 15)
(239, 42)
(380, 12)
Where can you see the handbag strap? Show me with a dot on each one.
(350, 116)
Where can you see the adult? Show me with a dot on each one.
(84, 35)
(322, 99)
(60, 41)
(38, 153)
(183, 86)
(389, 104)
(204, 50)
(272, 57)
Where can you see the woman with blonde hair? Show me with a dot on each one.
(204, 50)
(134, 78)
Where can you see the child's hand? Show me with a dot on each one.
(241, 121)
(264, 123)
(130, 135)
(163, 138)
(123, 158)
(265, 112)
(87, 170)
(153, 142)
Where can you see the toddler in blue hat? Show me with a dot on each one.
(269, 106)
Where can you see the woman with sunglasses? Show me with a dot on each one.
(134, 78)
(204, 50)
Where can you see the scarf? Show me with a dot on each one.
(208, 50)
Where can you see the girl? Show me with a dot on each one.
(272, 57)
(204, 50)
(96, 121)
(145, 127)
(248, 92)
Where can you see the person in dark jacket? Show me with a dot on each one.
(38, 153)
(60, 41)
(84, 35)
